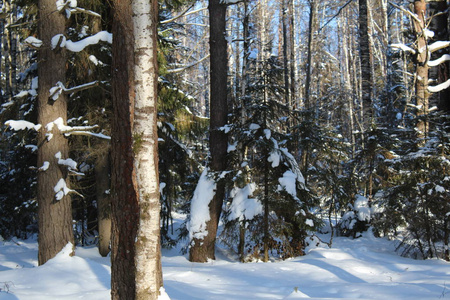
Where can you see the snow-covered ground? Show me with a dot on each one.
(365, 268)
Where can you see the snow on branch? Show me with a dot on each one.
(22, 125)
(186, 12)
(32, 42)
(60, 40)
(403, 47)
(62, 190)
(70, 6)
(438, 45)
(177, 70)
(75, 130)
(57, 90)
(440, 60)
(439, 87)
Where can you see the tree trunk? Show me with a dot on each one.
(55, 216)
(422, 67)
(202, 250)
(136, 251)
(366, 68)
(103, 185)
(311, 30)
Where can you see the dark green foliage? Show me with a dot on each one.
(417, 198)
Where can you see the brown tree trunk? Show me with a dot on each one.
(420, 9)
(55, 216)
(366, 68)
(202, 250)
(103, 185)
(136, 251)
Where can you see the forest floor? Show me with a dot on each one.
(363, 268)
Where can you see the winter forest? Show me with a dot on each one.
(224, 149)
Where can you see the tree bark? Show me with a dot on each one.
(366, 66)
(103, 185)
(136, 253)
(420, 8)
(202, 250)
(55, 216)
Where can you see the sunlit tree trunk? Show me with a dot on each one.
(136, 250)
(55, 213)
(203, 249)
(420, 9)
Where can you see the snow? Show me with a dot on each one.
(363, 268)
(81, 44)
(61, 189)
(70, 163)
(403, 47)
(22, 125)
(362, 208)
(274, 158)
(440, 60)
(45, 166)
(242, 207)
(439, 87)
(203, 194)
(438, 45)
(33, 42)
(289, 183)
(60, 4)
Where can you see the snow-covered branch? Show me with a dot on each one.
(60, 40)
(186, 12)
(22, 125)
(57, 90)
(438, 45)
(439, 87)
(177, 70)
(440, 60)
(403, 47)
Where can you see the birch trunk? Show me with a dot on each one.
(136, 253)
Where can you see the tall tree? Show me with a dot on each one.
(136, 252)
(203, 249)
(365, 57)
(55, 210)
(420, 10)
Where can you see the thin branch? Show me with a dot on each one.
(337, 14)
(82, 87)
(178, 70)
(184, 13)
(414, 16)
(78, 10)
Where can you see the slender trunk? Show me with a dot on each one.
(422, 68)
(202, 250)
(312, 22)
(366, 65)
(103, 185)
(54, 213)
(285, 54)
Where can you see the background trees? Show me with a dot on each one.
(295, 87)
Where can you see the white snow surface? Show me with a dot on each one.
(203, 194)
(363, 268)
